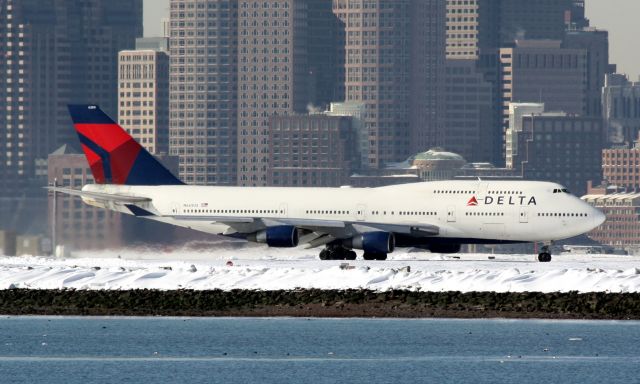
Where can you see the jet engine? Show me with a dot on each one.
(282, 236)
(373, 242)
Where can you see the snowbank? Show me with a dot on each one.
(261, 268)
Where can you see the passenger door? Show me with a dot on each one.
(451, 214)
(283, 212)
(524, 215)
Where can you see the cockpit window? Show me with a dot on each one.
(561, 190)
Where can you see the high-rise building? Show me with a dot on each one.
(596, 45)
(55, 53)
(555, 146)
(356, 111)
(426, 77)
(532, 20)
(143, 97)
(575, 16)
(394, 61)
(468, 112)
(314, 150)
(203, 88)
(621, 109)
(153, 43)
(284, 67)
(477, 29)
(472, 26)
(516, 113)
(541, 71)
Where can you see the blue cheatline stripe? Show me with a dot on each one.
(88, 114)
(104, 156)
(138, 211)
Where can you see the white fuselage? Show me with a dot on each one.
(524, 211)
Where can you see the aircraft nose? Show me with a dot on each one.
(597, 217)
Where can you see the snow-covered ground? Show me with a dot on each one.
(257, 267)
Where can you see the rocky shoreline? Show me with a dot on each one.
(321, 303)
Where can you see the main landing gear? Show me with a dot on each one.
(337, 252)
(374, 256)
(545, 254)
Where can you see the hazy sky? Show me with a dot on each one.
(619, 17)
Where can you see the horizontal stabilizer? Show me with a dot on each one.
(126, 199)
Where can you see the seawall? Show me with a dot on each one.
(321, 303)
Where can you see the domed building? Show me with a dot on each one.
(434, 164)
(437, 164)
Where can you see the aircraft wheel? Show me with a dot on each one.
(351, 255)
(374, 256)
(325, 254)
(544, 257)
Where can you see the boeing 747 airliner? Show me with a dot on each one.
(438, 216)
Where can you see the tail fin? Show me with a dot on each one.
(113, 155)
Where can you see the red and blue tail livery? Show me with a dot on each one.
(113, 155)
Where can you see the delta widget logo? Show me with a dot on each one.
(472, 201)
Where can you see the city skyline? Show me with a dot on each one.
(618, 19)
(318, 93)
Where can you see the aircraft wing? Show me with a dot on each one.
(316, 232)
(321, 232)
(125, 199)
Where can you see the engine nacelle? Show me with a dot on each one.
(282, 236)
(445, 248)
(373, 242)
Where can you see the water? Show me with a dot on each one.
(278, 350)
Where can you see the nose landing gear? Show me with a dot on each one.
(545, 254)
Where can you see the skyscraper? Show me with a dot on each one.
(542, 71)
(468, 112)
(472, 26)
(284, 67)
(426, 76)
(476, 30)
(596, 44)
(532, 20)
(55, 53)
(203, 89)
(394, 55)
(621, 109)
(143, 94)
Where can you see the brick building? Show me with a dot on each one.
(79, 225)
(621, 167)
(622, 227)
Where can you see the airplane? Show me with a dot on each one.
(438, 216)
